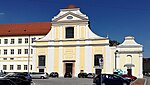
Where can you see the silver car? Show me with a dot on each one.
(39, 75)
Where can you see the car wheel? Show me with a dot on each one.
(103, 84)
(42, 77)
(124, 83)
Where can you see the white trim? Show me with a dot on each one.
(141, 66)
(107, 61)
(50, 59)
(77, 63)
(88, 57)
(78, 31)
(34, 60)
(87, 32)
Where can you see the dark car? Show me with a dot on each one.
(54, 74)
(90, 75)
(67, 75)
(82, 75)
(129, 76)
(110, 79)
(7, 82)
(18, 79)
(25, 74)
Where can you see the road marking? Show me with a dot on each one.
(145, 81)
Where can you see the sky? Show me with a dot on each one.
(115, 18)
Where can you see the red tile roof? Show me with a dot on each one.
(33, 28)
(71, 6)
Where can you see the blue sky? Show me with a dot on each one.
(117, 18)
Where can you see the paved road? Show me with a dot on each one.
(148, 80)
(62, 81)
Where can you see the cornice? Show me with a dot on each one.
(71, 45)
(71, 40)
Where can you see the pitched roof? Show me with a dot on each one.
(33, 28)
(71, 6)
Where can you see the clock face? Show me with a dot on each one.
(69, 17)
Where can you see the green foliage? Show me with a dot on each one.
(113, 43)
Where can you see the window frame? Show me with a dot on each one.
(19, 51)
(12, 51)
(25, 67)
(19, 40)
(11, 67)
(25, 51)
(12, 41)
(18, 67)
(5, 41)
(69, 32)
(26, 40)
(4, 67)
(5, 51)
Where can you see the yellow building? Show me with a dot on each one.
(67, 44)
(72, 47)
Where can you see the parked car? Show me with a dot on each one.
(25, 74)
(54, 74)
(129, 76)
(90, 75)
(7, 82)
(39, 75)
(18, 79)
(111, 79)
(82, 75)
(68, 75)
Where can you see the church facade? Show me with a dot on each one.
(71, 46)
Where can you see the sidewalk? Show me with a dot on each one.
(139, 81)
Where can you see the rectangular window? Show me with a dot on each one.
(26, 40)
(5, 51)
(18, 67)
(33, 39)
(96, 59)
(0, 52)
(11, 58)
(19, 51)
(19, 41)
(4, 67)
(26, 51)
(11, 67)
(5, 41)
(41, 60)
(69, 32)
(4, 58)
(0, 41)
(25, 67)
(12, 41)
(12, 51)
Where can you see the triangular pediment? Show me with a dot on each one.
(70, 16)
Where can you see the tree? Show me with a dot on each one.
(113, 43)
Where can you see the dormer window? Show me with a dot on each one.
(69, 32)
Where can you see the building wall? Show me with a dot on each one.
(16, 59)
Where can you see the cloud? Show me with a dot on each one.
(1, 13)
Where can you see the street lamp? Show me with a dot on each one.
(116, 52)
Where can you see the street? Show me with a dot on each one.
(63, 81)
(148, 80)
